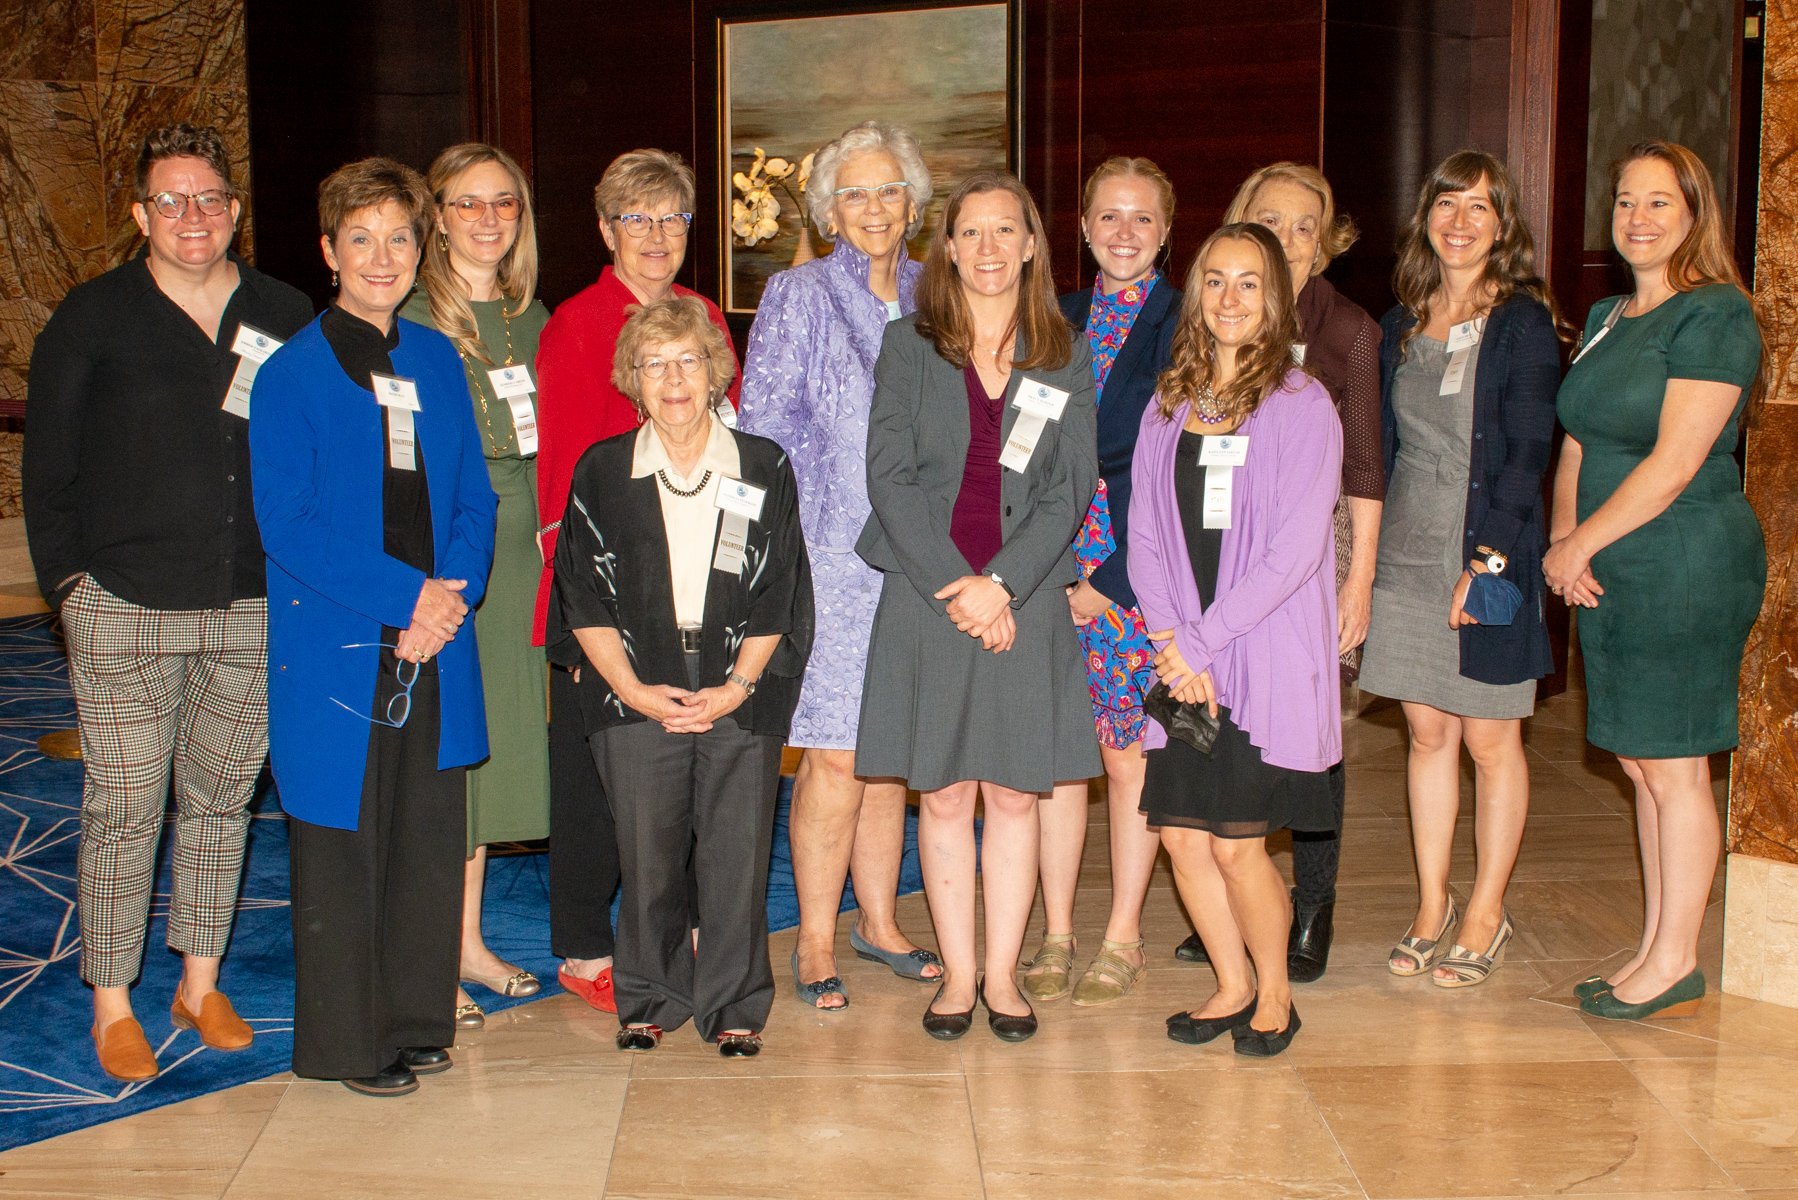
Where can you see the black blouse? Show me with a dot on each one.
(611, 571)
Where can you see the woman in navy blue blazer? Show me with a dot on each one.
(1128, 316)
(377, 519)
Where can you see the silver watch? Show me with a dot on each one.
(748, 685)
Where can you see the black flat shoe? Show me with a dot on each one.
(395, 1079)
(425, 1060)
(946, 1027)
(1308, 943)
(1192, 950)
(1006, 1027)
(1262, 1043)
(639, 1037)
(1196, 1031)
(739, 1045)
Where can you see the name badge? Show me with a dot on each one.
(1456, 374)
(513, 384)
(728, 415)
(524, 423)
(513, 379)
(395, 391)
(1040, 400)
(252, 347)
(744, 499)
(733, 538)
(1298, 353)
(402, 439)
(1466, 335)
(1026, 432)
(1227, 450)
(1220, 483)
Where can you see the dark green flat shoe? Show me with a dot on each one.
(1680, 1000)
(1585, 989)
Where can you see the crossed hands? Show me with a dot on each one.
(1187, 687)
(681, 711)
(981, 609)
(437, 616)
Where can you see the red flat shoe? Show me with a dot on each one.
(596, 992)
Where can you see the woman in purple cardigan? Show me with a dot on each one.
(1231, 533)
(807, 384)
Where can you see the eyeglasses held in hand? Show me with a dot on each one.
(173, 205)
(857, 197)
(472, 208)
(398, 708)
(688, 364)
(673, 225)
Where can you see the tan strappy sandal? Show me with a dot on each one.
(1423, 953)
(1111, 975)
(1047, 976)
(1468, 967)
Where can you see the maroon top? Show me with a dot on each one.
(974, 522)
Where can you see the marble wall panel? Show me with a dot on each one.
(1764, 792)
(48, 39)
(188, 43)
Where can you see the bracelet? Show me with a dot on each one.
(549, 528)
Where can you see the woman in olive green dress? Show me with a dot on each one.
(477, 287)
(1654, 540)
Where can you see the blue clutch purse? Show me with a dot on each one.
(1492, 600)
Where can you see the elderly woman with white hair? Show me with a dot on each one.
(808, 382)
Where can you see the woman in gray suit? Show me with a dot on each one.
(981, 463)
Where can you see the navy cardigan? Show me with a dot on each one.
(1513, 431)
(1127, 390)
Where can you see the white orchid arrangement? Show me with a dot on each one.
(755, 216)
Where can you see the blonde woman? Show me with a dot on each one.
(477, 286)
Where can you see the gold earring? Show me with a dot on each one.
(443, 241)
(333, 279)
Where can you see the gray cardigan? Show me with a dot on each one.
(917, 449)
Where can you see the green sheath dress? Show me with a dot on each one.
(1663, 649)
(508, 795)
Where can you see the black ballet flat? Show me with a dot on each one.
(946, 1027)
(1196, 1031)
(1263, 1043)
(1192, 950)
(1005, 1026)
(739, 1045)
(639, 1037)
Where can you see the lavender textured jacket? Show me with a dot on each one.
(808, 383)
(1269, 637)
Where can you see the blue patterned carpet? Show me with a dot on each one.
(49, 1081)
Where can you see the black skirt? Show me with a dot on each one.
(1232, 792)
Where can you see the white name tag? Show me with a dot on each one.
(733, 537)
(1227, 450)
(1456, 373)
(1466, 335)
(728, 414)
(1026, 432)
(252, 347)
(512, 380)
(735, 496)
(524, 424)
(1040, 400)
(1220, 485)
(402, 440)
(514, 385)
(395, 391)
(1298, 353)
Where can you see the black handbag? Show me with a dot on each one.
(1191, 723)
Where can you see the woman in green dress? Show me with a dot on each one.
(1654, 540)
(478, 288)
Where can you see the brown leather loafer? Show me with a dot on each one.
(125, 1052)
(217, 1023)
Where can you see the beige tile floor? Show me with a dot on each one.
(1394, 1089)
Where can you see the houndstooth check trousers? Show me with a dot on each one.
(155, 688)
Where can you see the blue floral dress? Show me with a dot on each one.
(1116, 643)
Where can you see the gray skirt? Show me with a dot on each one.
(937, 709)
(1412, 654)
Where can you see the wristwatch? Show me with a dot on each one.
(1496, 562)
(998, 579)
(748, 685)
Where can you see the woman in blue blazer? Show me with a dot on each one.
(377, 519)
(1128, 319)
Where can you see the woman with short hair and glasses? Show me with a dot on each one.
(477, 286)
(645, 204)
(377, 517)
(808, 383)
(681, 580)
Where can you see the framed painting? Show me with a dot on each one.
(791, 79)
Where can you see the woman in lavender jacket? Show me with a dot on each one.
(807, 384)
(1233, 566)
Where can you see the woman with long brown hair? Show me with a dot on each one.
(478, 286)
(981, 463)
(1236, 475)
(1469, 361)
(1655, 541)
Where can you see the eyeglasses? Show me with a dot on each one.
(857, 197)
(400, 707)
(673, 225)
(656, 368)
(173, 205)
(470, 208)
